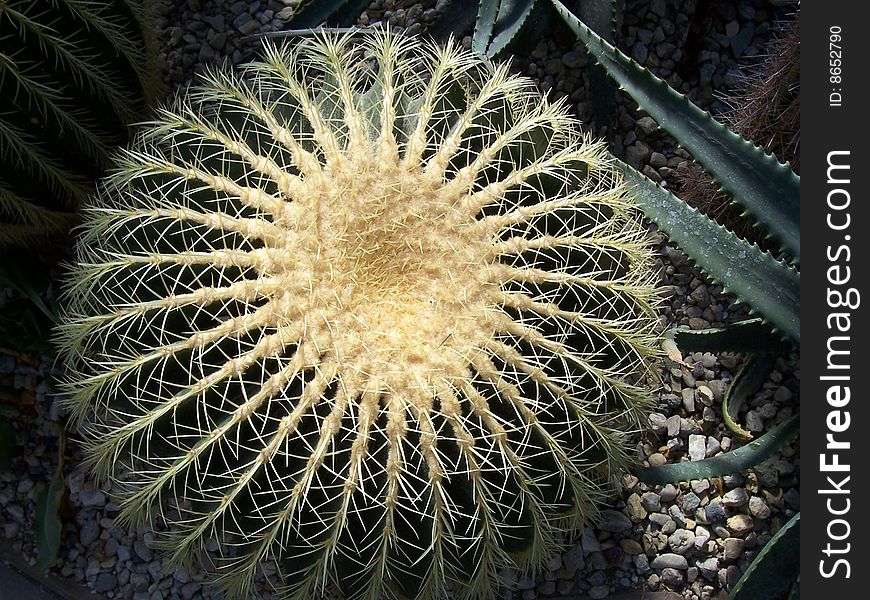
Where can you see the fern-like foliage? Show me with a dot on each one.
(73, 75)
(373, 311)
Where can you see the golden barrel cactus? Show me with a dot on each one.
(373, 310)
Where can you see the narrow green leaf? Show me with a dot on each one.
(20, 273)
(746, 382)
(775, 569)
(334, 12)
(457, 17)
(769, 286)
(744, 457)
(48, 525)
(765, 188)
(484, 26)
(512, 15)
(751, 335)
(600, 16)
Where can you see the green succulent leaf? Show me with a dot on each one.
(600, 15)
(765, 188)
(776, 568)
(752, 336)
(744, 457)
(48, 525)
(456, 17)
(769, 286)
(498, 23)
(334, 12)
(513, 14)
(746, 382)
(485, 25)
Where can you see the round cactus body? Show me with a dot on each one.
(73, 75)
(374, 311)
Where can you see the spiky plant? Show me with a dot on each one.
(765, 109)
(74, 74)
(373, 311)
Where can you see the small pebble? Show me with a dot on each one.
(740, 524)
(758, 508)
(681, 541)
(614, 521)
(735, 498)
(670, 560)
(733, 548)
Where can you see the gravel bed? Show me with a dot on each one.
(693, 538)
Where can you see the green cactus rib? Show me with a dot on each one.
(73, 75)
(751, 335)
(766, 284)
(351, 317)
(765, 188)
(776, 568)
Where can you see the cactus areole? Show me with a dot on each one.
(373, 311)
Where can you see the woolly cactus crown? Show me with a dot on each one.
(372, 311)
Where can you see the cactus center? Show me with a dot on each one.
(393, 270)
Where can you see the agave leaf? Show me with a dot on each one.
(765, 188)
(335, 12)
(746, 382)
(457, 16)
(775, 569)
(600, 16)
(512, 15)
(484, 25)
(744, 457)
(498, 23)
(769, 286)
(48, 525)
(752, 335)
